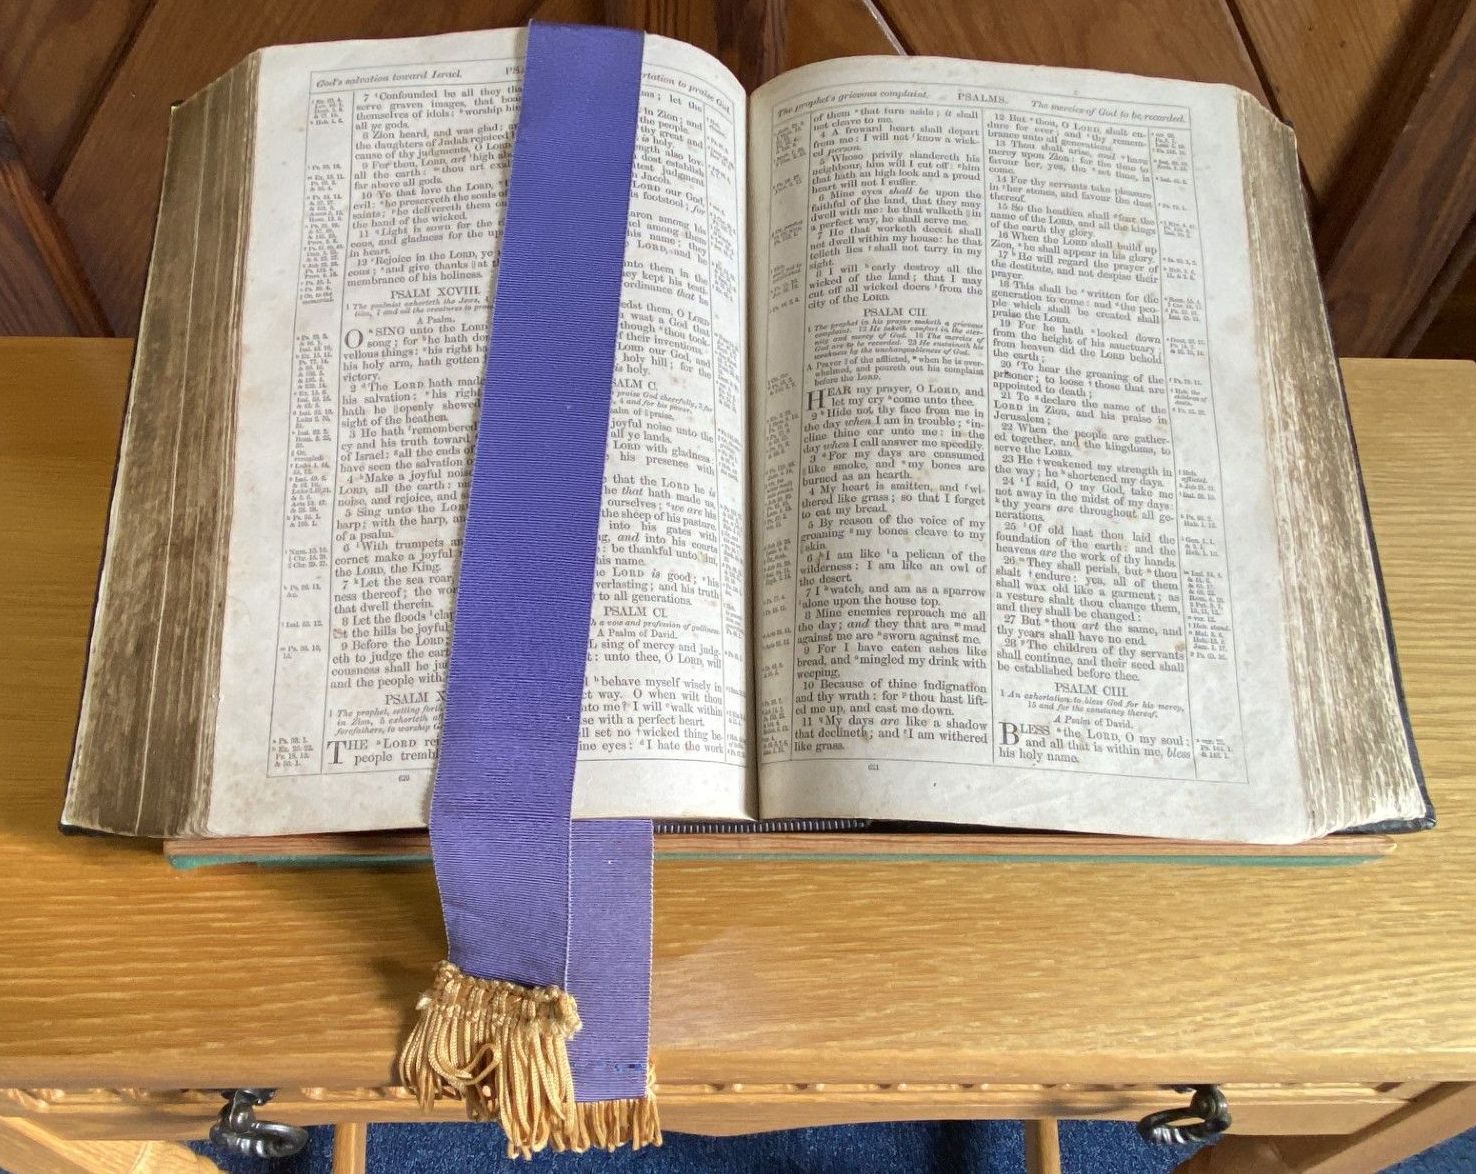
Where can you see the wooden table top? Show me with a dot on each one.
(116, 970)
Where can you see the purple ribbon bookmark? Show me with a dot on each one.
(533, 903)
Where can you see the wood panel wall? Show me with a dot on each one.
(85, 87)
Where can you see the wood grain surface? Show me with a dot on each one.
(56, 57)
(1331, 67)
(117, 971)
(350, 1146)
(1378, 271)
(42, 286)
(1449, 334)
(1042, 1147)
(28, 1148)
(693, 21)
(1414, 35)
(815, 30)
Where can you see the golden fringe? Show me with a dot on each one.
(503, 1050)
(608, 1125)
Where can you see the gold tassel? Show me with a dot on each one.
(608, 1125)
(503, 1050)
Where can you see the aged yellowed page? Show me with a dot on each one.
(1014, 552)
(380, 177)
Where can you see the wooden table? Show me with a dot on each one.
(1328, 1001)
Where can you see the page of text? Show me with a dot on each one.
(1013, 550)
(381, 178)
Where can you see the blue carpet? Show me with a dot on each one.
(1456, 1156)
(947, 1147)
(924, 1147)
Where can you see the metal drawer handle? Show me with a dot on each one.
(1206, 1117)
(239, 1129)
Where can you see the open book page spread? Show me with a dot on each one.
(380, 179)
(1015, 558)
(938, 484)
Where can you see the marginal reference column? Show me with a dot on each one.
(782, 440)
(1214, 696)
(304, 606)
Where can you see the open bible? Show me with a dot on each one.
(977, 454)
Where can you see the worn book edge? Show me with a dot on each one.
(1357, 757)
(154, 651)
